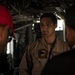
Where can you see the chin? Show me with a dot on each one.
(45, 35)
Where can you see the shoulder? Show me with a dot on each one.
(62, 42)
(34, 44)
(38, 41)
(64, 56)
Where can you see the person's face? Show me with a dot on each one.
(47, 27)
(69, 38)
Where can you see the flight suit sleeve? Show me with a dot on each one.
(25, 67)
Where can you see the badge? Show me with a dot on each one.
(42, 53)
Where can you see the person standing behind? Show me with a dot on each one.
(37, 53)
(6, 30)
(64, 64)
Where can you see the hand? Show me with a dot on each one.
(3, 38)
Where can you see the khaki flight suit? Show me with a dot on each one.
(36, 55)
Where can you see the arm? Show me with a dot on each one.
(26, 64)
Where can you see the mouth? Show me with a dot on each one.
(44, 34)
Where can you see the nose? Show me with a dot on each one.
(44, 27)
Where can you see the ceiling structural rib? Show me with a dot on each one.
(24, 11)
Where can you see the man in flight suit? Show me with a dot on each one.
(64, 64)
(37, 53)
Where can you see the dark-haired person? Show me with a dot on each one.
(6, 30)
(64, 64)
(37, 53)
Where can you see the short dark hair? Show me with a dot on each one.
(50, 15)
(70, 17)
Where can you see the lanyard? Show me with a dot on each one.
(52, 46)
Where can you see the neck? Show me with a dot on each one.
(50, 40)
